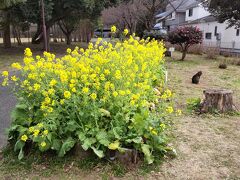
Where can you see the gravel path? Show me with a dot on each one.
(7, 103)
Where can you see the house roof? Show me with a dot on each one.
(162, 14)
(193, 5)
(179, 6)
(209, 18)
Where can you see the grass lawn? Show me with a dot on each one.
(208, 146)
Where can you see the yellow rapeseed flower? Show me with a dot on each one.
(169, 109)
(16, 66)
(113, 29)
(50, 110)
(53, 82)
(114, 146)
(36, 87)
(28, 52)
(45, 132)
(74, 90)
(69, 50)
(179, 112)
(163, 126)
(125, 32)
(115, 93)
(24, 138)
(154, 132)
(93, 96)
(14, 78)
(43, 144)
(36, 132)
(5, 73)
(62, 101)
(31, 129)
(67, 94)
(85, 90)
(40, 125)
(51, 91)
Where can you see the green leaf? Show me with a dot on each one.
(20, 116)
(21, 154)
(98, 152)
(81, 136)
(19, 145)
(71, 126)
(137, 140)
(116, 132)
(102, 137)
(147, 153)
(21, 106)
(67, 146)
(49, 137)
(13, 128)
(104, 112)
(88, 143)
(56, 145)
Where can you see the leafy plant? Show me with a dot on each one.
(193, 104)
(100, 97)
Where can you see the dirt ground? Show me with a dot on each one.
(208, 146)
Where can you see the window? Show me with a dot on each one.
(238, 32)
(215, 31)
(173, 15)
(208, 35)
(190, 12)
(170, 16)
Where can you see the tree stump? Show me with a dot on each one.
(221, 100)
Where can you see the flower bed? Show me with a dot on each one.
(109, 96)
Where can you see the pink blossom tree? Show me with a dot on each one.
(185, 37)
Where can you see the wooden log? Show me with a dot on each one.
(217, 99)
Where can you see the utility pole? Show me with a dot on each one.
(44, 26)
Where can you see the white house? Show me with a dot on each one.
(215, 34)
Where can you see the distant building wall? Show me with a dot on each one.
(197, 13)
(172, 23)
(220, 36)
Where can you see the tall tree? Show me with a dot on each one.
(185, 37)
(59, 10)
(225, 10)
(5, 7)
(147, 13)
(135, 13)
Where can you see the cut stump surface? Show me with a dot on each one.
(217, 99)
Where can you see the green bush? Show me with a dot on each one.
(106, 97)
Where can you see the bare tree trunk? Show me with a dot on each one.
(37, 38)
(6, 31)
(17, 35)
(184, 53)
(69, 39)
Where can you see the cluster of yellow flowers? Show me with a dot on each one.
(34, 132)
(107, 82)
(113, 29)
(102, 72)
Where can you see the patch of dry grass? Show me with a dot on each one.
(208, 146)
